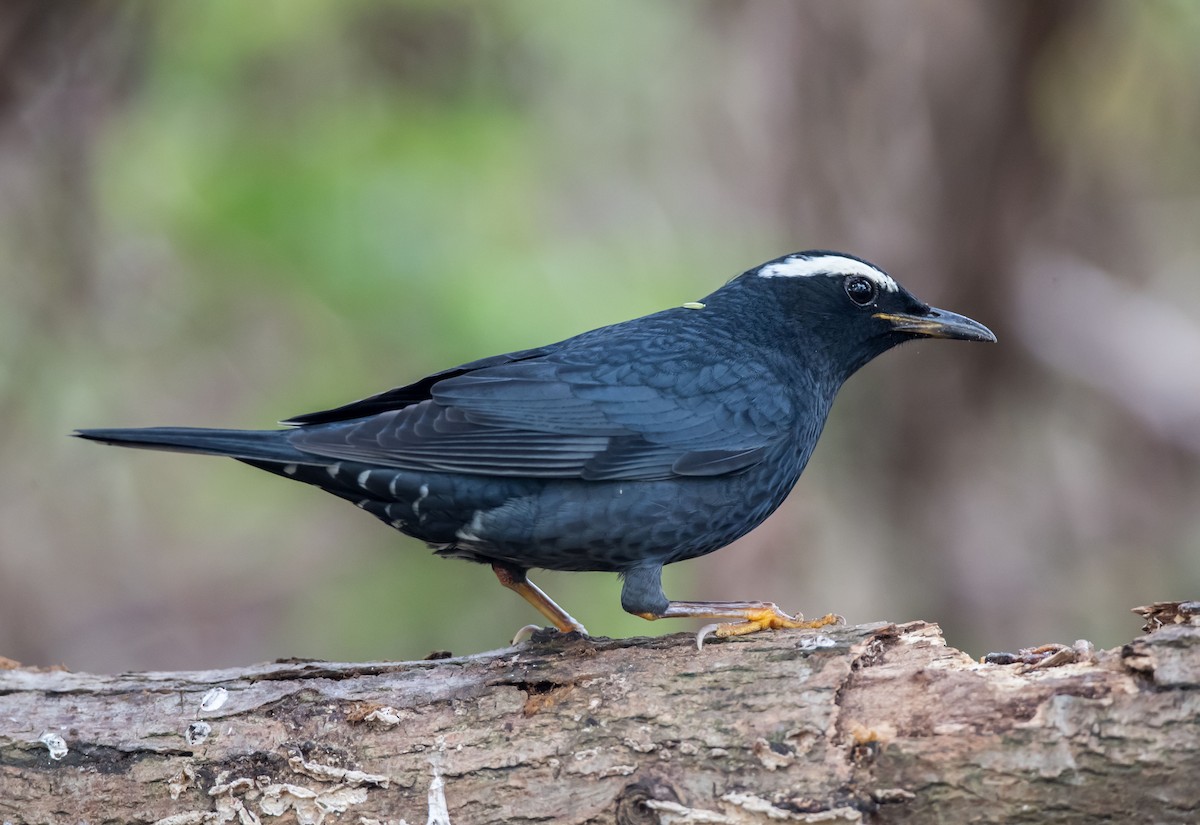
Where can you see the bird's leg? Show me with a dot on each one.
(642, 596)
(515, 580)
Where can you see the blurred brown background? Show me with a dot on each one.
(225, 213)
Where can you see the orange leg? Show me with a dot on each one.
(515, 580)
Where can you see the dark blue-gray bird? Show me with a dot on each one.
(623, 449)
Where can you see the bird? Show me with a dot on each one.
(622, 449)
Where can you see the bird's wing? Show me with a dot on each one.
(545, 417)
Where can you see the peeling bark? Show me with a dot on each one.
(875, 723)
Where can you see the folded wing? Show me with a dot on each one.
(535, 415)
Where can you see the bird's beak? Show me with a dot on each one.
(938, 323)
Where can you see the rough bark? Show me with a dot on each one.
(875, 723)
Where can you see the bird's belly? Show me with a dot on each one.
(579, 525)
(615, 527)
(564, 524)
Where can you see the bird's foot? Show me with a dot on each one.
(750, 617)
(769, 617)
(537, 633)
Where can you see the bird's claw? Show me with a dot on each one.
(525, 633)
(704, 632)
(771, 618)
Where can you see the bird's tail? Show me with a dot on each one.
(255, 445)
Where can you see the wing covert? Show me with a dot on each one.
(542, 418)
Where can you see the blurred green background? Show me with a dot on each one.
(224, 213)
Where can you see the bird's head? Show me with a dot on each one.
(846, 307)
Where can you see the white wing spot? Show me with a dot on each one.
(799, 266)
(363, 478)
(471, 532)
(290, 469)
(416, 505)
(392, 484)
(334, 469)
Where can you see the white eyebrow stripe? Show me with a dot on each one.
(797, 266)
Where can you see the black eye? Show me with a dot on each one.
(862, 291)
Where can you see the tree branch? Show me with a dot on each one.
(875, 723)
